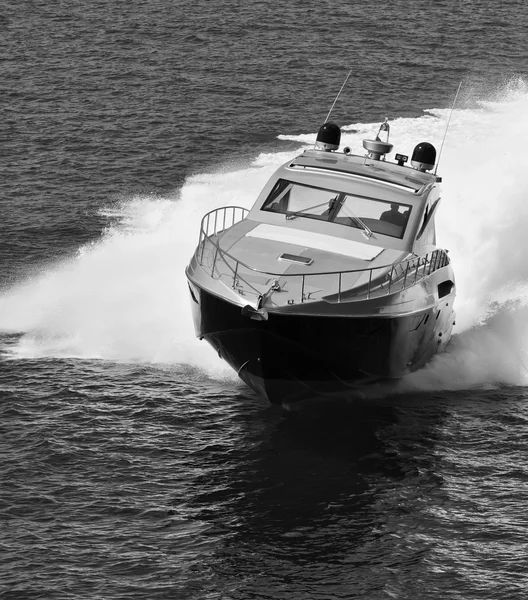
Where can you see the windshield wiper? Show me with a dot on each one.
(294, 215)
(366, 231)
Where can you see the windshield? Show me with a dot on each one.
(371, 216)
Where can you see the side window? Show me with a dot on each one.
(428, 221)
(278, 200)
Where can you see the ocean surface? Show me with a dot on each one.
(133, 463)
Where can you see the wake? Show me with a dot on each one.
(124, 297)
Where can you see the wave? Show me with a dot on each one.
(124, 296)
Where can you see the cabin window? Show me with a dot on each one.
(427, 230)
(295, 200)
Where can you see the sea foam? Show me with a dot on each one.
(124, 296)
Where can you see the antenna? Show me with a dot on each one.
(338, 94)
(447, 127)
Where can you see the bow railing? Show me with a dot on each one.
(338, 286)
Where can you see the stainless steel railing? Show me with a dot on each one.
(219, 219)
(350, 285)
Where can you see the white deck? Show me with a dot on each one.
(319, 241)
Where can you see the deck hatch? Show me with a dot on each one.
(301, 260)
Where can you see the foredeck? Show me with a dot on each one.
(281, 288)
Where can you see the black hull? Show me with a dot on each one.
(291, 357)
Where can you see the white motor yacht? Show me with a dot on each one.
(333, 279)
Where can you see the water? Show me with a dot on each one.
(134, 463)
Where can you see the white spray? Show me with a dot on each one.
(124, 297)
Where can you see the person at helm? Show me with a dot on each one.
(394, 215)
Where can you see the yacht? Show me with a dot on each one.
(333, 279)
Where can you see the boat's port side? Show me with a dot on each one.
(286, 354)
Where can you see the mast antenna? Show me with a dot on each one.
(447, 127)
(338, 94)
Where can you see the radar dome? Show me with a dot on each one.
(424, 156)
(328, 137)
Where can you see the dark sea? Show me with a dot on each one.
(134, 464)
